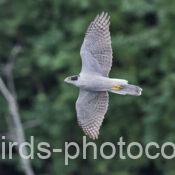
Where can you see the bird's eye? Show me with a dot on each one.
(74, 78)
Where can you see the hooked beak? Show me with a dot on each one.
(66, 80)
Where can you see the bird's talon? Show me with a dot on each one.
(117, 87)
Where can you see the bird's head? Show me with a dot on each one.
(72, 79)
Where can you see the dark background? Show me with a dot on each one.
(50, 33)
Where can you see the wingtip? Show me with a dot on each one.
(104, 13)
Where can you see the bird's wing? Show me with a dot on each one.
(96, 50)
(91, 108)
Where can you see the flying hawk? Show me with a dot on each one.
(93, 80)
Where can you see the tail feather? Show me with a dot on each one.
(128, 89)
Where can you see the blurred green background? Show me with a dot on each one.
(50, 33)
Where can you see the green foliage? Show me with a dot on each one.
(50, 33)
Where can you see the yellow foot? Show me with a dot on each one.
(117, 87)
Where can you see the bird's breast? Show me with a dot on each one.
(94, 82)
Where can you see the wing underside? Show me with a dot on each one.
(91, 108)
(96, 50)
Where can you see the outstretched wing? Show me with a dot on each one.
(91, 108)
(96, 50)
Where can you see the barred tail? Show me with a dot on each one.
(126, 89)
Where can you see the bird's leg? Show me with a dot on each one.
(117, 87)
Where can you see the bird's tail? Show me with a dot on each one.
(126, 89)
